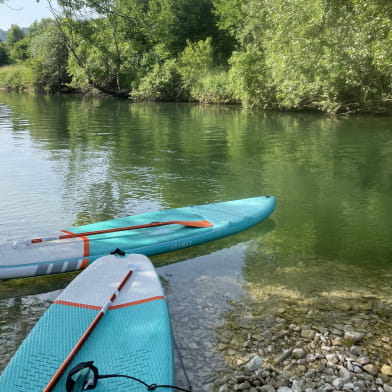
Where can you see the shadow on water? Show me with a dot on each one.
(35, 285)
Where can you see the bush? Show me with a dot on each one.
(201, 78)
(310, 54)
(195, 61)
(163, 83)
(17, 77)
(213, 87)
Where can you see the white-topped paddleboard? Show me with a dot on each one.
(133, 337)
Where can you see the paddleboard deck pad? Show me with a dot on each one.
(133, 337)
(26, 258)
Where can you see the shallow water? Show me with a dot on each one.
(68, 161)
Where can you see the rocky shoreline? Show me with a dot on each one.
(329, 345)
(287, 333)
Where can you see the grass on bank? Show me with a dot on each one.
(17, 77)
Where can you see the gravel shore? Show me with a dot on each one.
(340, 343)
(284, 334)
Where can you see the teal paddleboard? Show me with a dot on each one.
(160, 231)
(133, 337)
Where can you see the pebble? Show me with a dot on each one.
(344, 374)
(349, 386)
(352, 337)
(387, 370)
(356, 350)
(296, 386)
(337, 383)
(310, 358)
(308, 334)
(387, 388)
(254, 364)
(267, 388)
(325, 388)
(371, 369)
(298, 353)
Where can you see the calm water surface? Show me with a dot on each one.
(68, 161)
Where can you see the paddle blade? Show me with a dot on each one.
(200, 223)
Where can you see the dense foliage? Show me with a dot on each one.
(329, 55)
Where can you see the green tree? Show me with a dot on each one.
(38, 27)
(20, 50)
(15, 34)
(49, 56)
(323, 54)
(175, 22)
(3, 54)
(110, 51)
(125, 42)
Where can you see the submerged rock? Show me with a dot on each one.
(254, 364)
(387, 370)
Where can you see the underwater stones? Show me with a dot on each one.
(298, 353)
(306, 348)
(308, 334)
(306, 351)
(296, 386)
(344, 374)
(254, 364)
(284, 389)
(341, 305)
(355, 350)
(371, 369)
(386, 370)
(337, 383)
(387, 388)
(384, 311)
(310, 357)
(352, 337)
(267, 388)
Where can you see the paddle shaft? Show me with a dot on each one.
(85, 335)
(200, 223)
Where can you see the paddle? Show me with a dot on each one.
(86, 334)
(200, 223)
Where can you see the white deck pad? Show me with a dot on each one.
(87, 289)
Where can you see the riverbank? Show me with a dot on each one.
(19, 79)
(330, 343)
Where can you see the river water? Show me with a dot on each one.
(68, 161)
